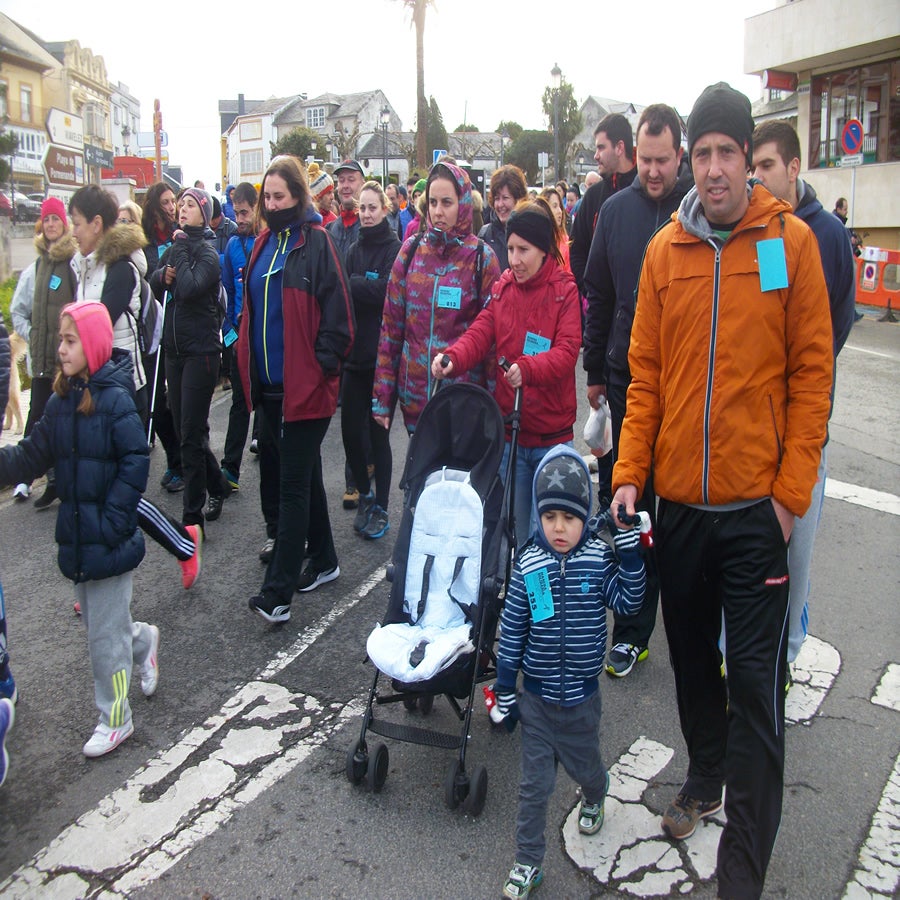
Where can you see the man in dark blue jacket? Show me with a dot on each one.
(236, 256)
(627, 222)
(776, 163)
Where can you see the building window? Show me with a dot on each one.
(315, 117)
(252, 130)
(251, 162)
(116, 114)
(867, 93)
(4, 106)
(25, 102)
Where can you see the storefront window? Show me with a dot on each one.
(866, 93)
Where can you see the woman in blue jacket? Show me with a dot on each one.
(92, 433)
(297, 329)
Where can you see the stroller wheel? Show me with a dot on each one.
(426, 702)
(357, 762)
(456, 785)
(409, 703)
(474, 802)
(376, 772)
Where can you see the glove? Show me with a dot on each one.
(179, 235)
(627, 541)
(508, 706)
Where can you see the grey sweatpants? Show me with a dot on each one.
(114, 641)
(551, 735)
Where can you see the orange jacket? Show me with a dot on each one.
(729, 395)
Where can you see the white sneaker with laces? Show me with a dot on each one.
(106, 739)
(22, 491)
(150, 667)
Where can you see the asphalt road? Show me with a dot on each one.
(233, 785)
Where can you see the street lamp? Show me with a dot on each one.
(385, 121)
(504, 136)
(556, 80)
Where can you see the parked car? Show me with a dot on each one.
(27, 210)
(38, 198)
(5, 206)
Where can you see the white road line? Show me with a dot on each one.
(887, 693)
(878, 867)
(869, 352)
(188, 791)
(314, 632)
(862, 496)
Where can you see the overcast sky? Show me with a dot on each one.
(485, 60)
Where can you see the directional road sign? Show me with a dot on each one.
(65, 129)
(63, 166)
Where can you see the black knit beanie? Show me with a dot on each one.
(531, 226)
(721, 108)
(563, 483)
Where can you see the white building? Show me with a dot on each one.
(844, 59)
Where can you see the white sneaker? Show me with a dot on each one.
(105, 739)
(22, 491)
(150, 668)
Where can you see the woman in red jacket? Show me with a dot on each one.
(534, 320)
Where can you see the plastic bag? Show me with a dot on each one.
(598, 429)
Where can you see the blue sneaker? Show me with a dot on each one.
(175, 485)
(378, 524)
(8, 689)
(231, 479)
(7, 717)
(167, 477)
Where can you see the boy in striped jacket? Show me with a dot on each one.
(553, 628)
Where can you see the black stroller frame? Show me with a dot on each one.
(470, 436)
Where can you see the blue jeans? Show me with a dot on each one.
(527, 461)
(803, 537)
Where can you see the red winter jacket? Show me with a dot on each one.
(547, 307)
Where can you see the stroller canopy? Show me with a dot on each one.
(461, 427)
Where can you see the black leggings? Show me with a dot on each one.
(356, 418)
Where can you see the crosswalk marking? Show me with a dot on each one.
(887, 693)
(630, 853)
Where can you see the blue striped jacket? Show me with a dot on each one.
(561, 656)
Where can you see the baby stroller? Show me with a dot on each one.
(448, 575)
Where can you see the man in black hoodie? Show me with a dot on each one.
(628, 221)
(615, 163)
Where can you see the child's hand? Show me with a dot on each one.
(508, 706)
(627, 541)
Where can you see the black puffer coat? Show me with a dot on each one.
(369, 262)
(101, 465)
(194, 315)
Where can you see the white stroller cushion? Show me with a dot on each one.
(444, 550)
(394, 649)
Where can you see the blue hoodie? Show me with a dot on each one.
(562, 655)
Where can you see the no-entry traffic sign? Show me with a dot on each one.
(852, 137)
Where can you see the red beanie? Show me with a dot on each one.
(95, 329)
(53, 206)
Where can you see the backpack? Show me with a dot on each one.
(150, 323)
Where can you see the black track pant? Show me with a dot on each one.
(710, 563)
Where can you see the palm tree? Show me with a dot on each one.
(417, 11)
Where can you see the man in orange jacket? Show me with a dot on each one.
(731, 362)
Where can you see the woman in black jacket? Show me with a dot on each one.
(190, 271)
(369, 262)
